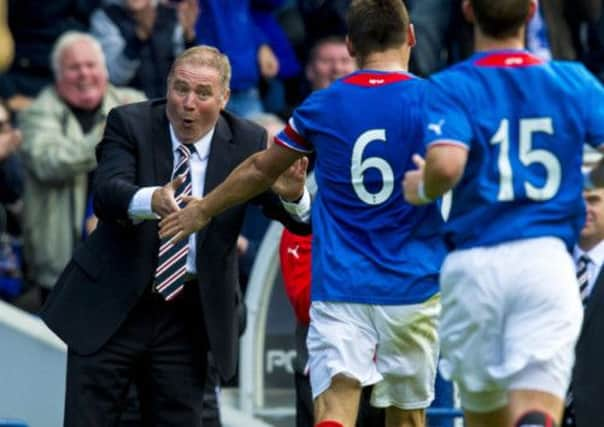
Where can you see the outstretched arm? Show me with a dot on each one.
(253, 176)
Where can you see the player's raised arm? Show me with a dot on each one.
(253, 176)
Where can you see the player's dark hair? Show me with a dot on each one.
(502, 18)
(377, 25)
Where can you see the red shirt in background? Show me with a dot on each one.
(295, 257)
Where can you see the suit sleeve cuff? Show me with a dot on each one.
(139, 208)
(300, 209)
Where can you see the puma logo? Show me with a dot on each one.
(294, 251)
(437, 128)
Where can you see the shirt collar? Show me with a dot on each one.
(202, 145)
(596, 254)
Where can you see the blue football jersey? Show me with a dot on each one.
(369, 245)
(524, 122)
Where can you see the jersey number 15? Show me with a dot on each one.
(527, 156)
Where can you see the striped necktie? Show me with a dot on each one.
(583, 276)
(172, 263)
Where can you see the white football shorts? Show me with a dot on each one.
(394, 347)
(511, 317)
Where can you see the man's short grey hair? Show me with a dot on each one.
(65, 41)
(204, 56)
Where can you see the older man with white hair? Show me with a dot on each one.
(60, 132)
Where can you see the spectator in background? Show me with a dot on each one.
(228, 25)
(592, 52)
(60, 132)
(323, 19)
(329, 60)
(443, 35)
(553, 33)
(141, 38)
(35, 26)
(279, 91)
(10, 140)
(583, 408)
(11, 189)
(7, 45)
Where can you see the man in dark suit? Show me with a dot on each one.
(587, 386)
(119, 325)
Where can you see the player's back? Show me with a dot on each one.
(524, 122)
(369, 245)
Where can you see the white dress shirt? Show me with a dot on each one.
(140, 205)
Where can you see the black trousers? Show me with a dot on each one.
(162, 349)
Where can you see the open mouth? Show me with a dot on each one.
(188, 122)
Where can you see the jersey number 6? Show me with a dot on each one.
(358, 167)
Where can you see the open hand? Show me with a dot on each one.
(179, 225)
(290, 185)
(188, 11)
(267, 62)
(412, 181)
(163, 202)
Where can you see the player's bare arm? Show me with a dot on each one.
(253, 176)
(437, 174)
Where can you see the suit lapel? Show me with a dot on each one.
(595, 299)
(162, 144)
(220, 158)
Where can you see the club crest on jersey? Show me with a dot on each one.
(514, 60)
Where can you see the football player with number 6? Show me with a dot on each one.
(375, 258)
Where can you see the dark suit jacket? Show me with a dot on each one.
(588, 374)
(111, 270)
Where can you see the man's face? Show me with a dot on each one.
(593, 230)
(82, 79)
(195, 97)
(331, 62)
